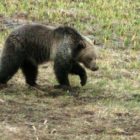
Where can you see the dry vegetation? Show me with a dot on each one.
(108, 107)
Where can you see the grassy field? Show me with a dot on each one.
(108, 107)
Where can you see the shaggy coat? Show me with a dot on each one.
(31, 45)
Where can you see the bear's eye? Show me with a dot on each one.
(89, 59)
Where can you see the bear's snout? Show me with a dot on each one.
(95, 68)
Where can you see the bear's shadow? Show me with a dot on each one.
(55, 92)
(82, 95)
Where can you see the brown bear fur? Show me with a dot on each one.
(30, 45)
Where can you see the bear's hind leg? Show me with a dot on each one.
(79, 70)
(30, 71)
(9, 65)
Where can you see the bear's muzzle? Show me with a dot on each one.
(95, 68)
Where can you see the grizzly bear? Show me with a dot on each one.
(32, 44)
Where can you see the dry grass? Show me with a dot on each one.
(108, 106)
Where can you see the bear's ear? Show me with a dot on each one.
(81, 45)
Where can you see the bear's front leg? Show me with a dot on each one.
(61, 76)
(79, 70)
(63, 80)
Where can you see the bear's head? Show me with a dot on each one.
(87, 54)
